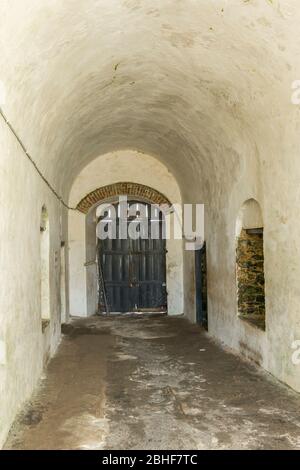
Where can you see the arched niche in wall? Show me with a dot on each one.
(45, 267)
(250, 264)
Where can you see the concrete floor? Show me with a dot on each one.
(153, 383)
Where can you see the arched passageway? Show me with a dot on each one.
(150, 182)
(198, 101)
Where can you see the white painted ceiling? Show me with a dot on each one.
(192, 82)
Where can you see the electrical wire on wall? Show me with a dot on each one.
(29, 157)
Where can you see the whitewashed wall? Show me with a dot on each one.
(25, 349)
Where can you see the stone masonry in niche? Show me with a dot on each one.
(250, 277)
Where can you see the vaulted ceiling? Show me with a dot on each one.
(192, 82)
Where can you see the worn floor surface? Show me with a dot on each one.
(153, 383)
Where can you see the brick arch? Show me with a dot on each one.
(136, 190)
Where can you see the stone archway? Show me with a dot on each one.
(132, 190)
(139, 177)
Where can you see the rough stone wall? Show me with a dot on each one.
(250, 277)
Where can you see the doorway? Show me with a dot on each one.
(132, 270)
(201, 287)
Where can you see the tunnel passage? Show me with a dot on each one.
(208, 90)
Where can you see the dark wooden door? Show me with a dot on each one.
(134, 270)
(201, 286)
